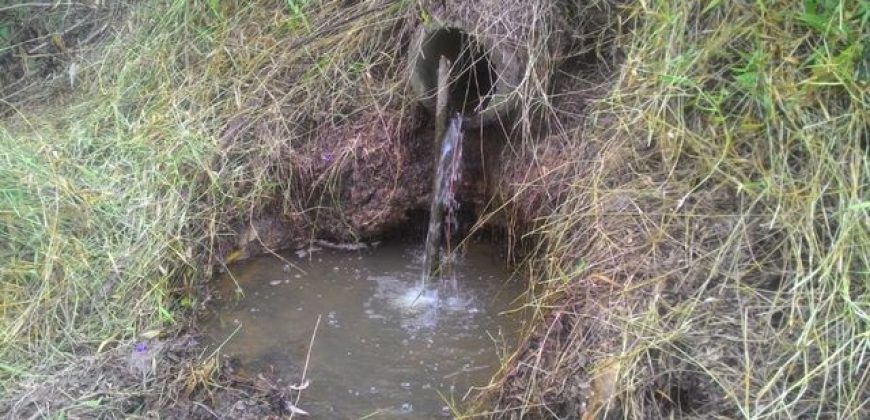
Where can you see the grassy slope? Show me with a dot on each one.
(112, 206)
(713, 253)
(731, 165)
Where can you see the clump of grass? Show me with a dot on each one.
(710, 256)
(36, 38)
(180, 130)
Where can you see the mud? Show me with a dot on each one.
(383, 346)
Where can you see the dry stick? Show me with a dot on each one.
(42, 5)
(433, 236)
(442, 98)
(305, 368)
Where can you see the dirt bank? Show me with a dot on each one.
(683, 184)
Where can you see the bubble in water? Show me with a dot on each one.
(332, 320)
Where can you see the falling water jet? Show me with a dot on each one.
(446, 179)
(448, 130)
(476, 91)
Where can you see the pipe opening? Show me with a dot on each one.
(473, 77)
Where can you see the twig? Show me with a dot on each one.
(205, 407)
(47, 5)
(307, 360)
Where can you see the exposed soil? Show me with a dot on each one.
(351, 182)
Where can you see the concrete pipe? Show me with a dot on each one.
(484, 75)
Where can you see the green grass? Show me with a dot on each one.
(113, 204)
(709, 249)
(720, 202)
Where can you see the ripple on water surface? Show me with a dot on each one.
(384, 345)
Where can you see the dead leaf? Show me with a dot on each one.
(301, 386)
(151, 334)
(296, 410)
(57, 41)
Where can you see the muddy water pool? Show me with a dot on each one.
(384, 347)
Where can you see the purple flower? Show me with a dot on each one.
(141, 347)
(327, 156)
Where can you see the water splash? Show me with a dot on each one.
(447, 177)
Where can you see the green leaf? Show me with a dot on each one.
(425, 17)
(748, 80)
(297, 15)
(215, 7)
(814, 21)
(93, 403)
(711, 5)
(675, 80)
(165, 315)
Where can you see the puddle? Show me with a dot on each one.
(382, 348)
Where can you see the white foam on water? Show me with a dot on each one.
(417, 297)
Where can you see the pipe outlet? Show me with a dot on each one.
(483, 75)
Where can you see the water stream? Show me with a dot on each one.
(442, 209)
(384, 346)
